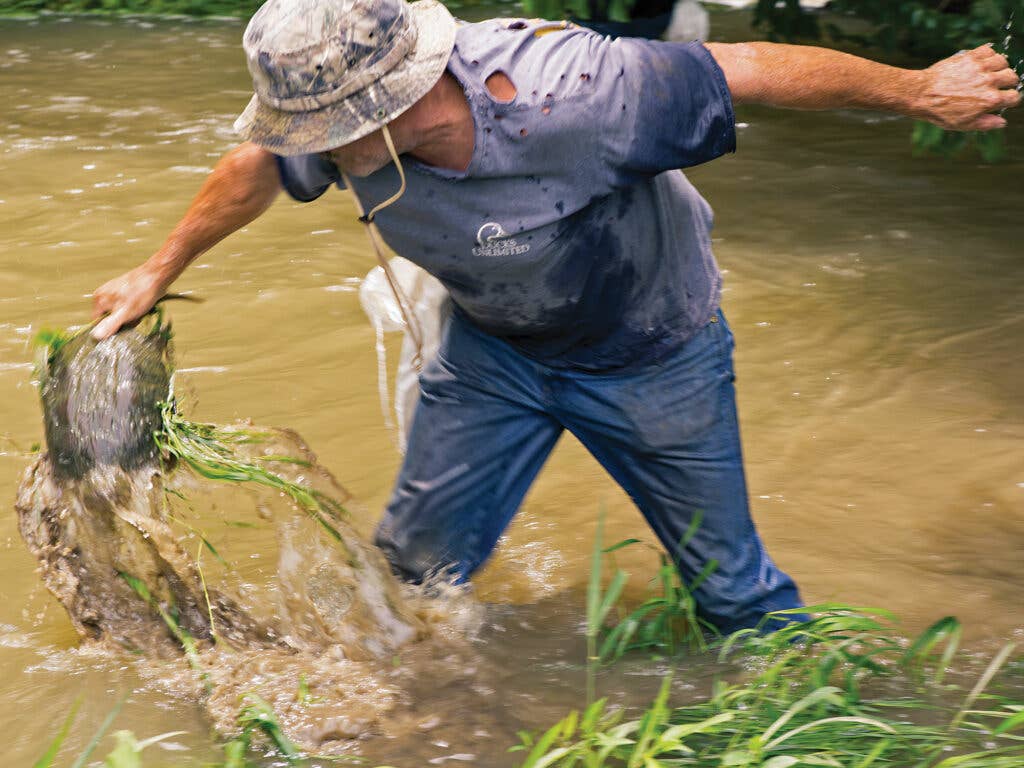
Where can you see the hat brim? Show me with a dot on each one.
(363, 112)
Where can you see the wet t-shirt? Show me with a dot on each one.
(570, 235)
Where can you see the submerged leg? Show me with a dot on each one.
(478, 439)
(669, 435)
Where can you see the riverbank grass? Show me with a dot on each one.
(841, 690)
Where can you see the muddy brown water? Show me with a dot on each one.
(880, 353)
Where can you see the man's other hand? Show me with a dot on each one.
(124, 300)
(963, 92)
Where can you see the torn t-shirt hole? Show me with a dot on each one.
(500, 87)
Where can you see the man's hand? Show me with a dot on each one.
(962, 92)
(125, 299)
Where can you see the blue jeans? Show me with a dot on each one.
(488, 417)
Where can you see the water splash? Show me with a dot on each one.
(145, 554)
(1007, 44)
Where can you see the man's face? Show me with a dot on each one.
(362, 156)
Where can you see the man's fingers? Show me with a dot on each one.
(1006, 78)
(1008, 99)
(100, 305)
(109, 325)
(993, 61)
(987, 123)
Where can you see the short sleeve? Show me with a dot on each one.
(306, 177)
(674, 108)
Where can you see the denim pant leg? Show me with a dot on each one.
(669, 435)
(477, 441)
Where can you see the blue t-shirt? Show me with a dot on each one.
(570, 235)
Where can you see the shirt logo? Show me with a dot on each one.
(493, 240)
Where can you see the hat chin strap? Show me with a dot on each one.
(368, 218)
(375, 240)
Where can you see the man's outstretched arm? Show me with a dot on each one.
(960, 93)
(242, 186)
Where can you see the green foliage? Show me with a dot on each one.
(931, 29)
(804, 707)
(803, 703)
(51, 341)
(786, 21)
(929, 139)
(100, 732)
(126, 750)
(257, 716)
(928, 28)
(209, 451)
(599, 603)
(46, 761)
(48, 758)
(666, 621)
(126, 753)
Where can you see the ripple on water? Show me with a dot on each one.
(198, 170)
(12, 637)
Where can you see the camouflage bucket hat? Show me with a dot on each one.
(328, 72)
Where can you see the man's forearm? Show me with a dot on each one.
(242, 186)
(960, 92)
(805, 77)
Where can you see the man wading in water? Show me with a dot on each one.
(541, 190)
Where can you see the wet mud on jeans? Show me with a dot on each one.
(488, 418)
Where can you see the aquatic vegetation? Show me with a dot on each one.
(211, 452)
(666, 621)
(818, 692)
(662, 624)
(121, 757)
(805, 706)
(128, 748)
(46, 761)
(125, 754)
(258, 715)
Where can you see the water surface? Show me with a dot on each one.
(875, 299)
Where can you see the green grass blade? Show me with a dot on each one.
(594, 583)
(946, 629)
(259, 714)
(828, 693)
(46, 761)
(1009, 724)
(622, 544)
(100, 733)
(611, 595)
(542, 746)
(825, 721)
(982, 683)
